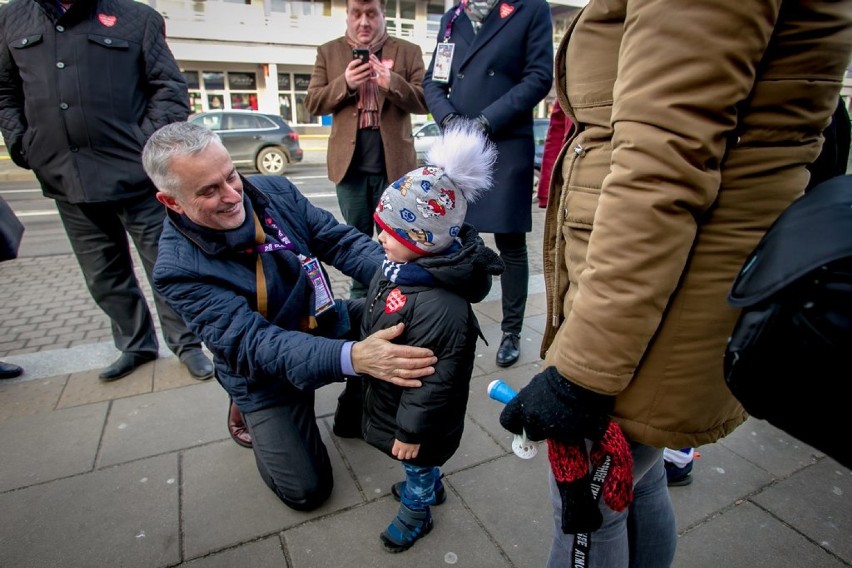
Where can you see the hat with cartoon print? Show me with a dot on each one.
(425, 208)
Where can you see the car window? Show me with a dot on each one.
(431, 130)
(540, 131)
(210, 121)
(241, 122)
(264, 122)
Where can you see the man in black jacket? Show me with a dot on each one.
(83, 84)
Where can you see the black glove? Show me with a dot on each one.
(553, 407)
(449, 119)
(482, 123)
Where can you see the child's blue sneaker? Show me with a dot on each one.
(407, 528)
(678, 476)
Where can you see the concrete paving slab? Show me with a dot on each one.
(486, 354)
(170, 373)
(50, 446)
(520, 486)
(351, 538)
(720, 478)
(266, 552)
(156, 423)
(325, 402)
(225, 502)
(122, 516)
(85, 387)
(747, 536)
(818, 501)
(770, 448)
(30, 397)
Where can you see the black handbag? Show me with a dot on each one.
(789, 359)
(11, 231)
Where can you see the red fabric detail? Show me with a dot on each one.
(568, 463)
(396, 300)
(506, 10)
(618, 488)
(557, 131)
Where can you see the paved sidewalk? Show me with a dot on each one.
(141, 471)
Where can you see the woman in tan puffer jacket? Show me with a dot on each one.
(695, 121)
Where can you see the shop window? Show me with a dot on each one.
(292, 90)
(194, 88)
(305, 8)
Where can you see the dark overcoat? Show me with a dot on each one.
(81, 92)
(501, 72)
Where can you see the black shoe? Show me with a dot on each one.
(237, 426)
(509, 350)
(200, 367)
(9, 371)
(126, 364)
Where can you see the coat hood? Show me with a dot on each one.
(466, 271)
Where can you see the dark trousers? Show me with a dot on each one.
(290, 455)
(98, 234)
(358, 195)
(514, 280)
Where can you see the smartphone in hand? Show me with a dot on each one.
(362, 54)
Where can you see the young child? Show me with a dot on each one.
(435, 267)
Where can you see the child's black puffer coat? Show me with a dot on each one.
(440, 318)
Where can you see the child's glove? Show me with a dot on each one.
(553, 407)
(566, 414)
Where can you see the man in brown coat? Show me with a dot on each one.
(371, 103)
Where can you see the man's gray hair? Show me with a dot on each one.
(170, 141)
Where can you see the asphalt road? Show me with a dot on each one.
(45, 236)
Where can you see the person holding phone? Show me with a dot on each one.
(370, 83)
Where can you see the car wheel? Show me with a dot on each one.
(271, 161)
(536, 179)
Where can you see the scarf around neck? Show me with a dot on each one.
(477, 11)
(368, 93)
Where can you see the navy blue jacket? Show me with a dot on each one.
(214, 289)
(502, 72)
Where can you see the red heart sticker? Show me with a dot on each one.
(396, 300)
(388, 63)
(506, 10)
(108, 21)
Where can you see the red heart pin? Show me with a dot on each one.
(108, 21)
(506, 10)
(396, 300)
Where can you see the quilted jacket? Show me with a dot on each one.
(81, 92)
(261, 362)
(695, 123)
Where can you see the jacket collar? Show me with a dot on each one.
(213, 242)
(492, 24)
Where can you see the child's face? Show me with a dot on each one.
(395, 250)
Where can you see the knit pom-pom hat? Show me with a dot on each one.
(425, 208)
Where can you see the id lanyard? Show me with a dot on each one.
(322, 291)
(444, 51)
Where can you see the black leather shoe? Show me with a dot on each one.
(9, 371)
(126, 364)
(200, 367)
(509, 350)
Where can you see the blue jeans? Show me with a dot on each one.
(419, 486)
(642, 536)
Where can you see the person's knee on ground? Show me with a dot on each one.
(310, 493)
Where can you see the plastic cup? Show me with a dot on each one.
(500, 391)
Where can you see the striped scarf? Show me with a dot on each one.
(368, 94)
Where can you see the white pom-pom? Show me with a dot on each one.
(467, 157)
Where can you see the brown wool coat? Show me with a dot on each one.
(329, 94)
(686, 152)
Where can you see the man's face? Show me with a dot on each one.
(365, 21)
(210, 191)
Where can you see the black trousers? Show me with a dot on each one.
(290, 455)
(358, 195)
(515, 279)
(98, 234)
